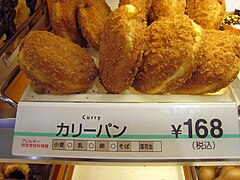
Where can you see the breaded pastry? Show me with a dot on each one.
(218, 63)
(143, 6)
(92, 16)
(56, 65)
(171, 46)
(207, 13)
(22, 13)
(166, 8)
(121, 48)
(64, 22)
(149, 5)
(8, 169)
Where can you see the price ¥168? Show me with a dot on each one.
(201, 127)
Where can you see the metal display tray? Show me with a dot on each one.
(231, 94)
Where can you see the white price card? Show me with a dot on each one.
(127, 130)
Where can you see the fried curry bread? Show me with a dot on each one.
(169, 60)
(91, 17)
(9, 168)
(207, 13)
(166, 8)
(64, 22)
(56, 65)
(143, 6)
(121, 47)
(218, 63)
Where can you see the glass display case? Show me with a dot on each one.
(118, 135)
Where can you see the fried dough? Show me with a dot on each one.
(207, 13)
(91, 17)
(10, 168)
(64, 22)
(22, 13)
(169, 60)
(166, 8)
(143, 6)
(56, 65)
(121, 48)
(218, 63)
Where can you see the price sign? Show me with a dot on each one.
(201, 129)
(127, 130)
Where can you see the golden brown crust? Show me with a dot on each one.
(92, 16)
(172, 44)
(121, 48)
(63, 19)
(231, 29)
(56, 65)
(207, 13)
(218, 63)
(10, 168)
(143, 6)
(149, 5)
(22, 13)
(166, 8)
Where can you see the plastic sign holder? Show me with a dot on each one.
(124, 129)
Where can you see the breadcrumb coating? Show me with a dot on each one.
(218, 63)
(56, 65)
(63, 20)
(143, 6)
(207, 13)
(92, 16)
(121, 48)
(169, 59)
(166, 8)
(10, 168)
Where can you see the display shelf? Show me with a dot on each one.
(8, 122)
(6, 139)
(42, 103)
(135, 172)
